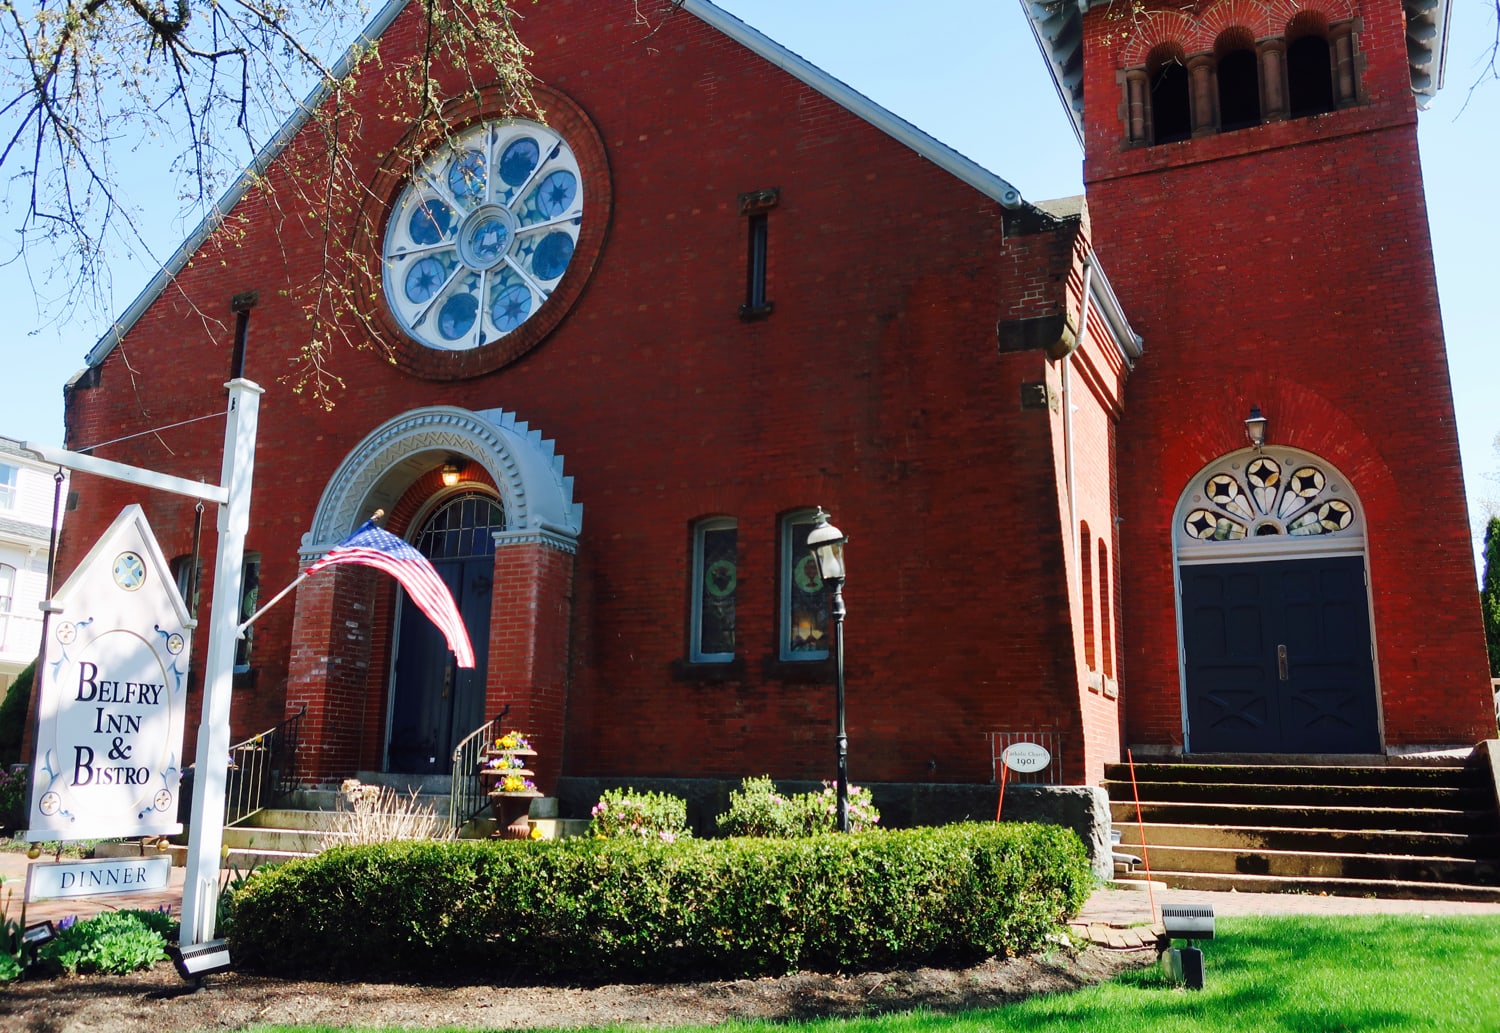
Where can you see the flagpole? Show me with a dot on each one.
(283, 593)
(274, 600)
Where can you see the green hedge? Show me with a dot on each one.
(590, 910)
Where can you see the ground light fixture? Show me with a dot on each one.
(200, 959)
(38, 933)
(827, 544)
(1255, 427)
(1188, 922)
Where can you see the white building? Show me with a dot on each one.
(27, 490)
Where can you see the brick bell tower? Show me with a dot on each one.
(1256, 194)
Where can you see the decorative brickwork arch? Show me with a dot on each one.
(343, 625)
(1274, 609)
(527, 473)
(1196, 32)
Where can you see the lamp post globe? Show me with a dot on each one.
(827, 545)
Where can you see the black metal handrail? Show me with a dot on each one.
(467, 797)
(262, 769)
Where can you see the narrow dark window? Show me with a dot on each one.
(249, 603)
(1106, 612)
(755, 266)
(756, 206)
(715, 580)
(1239, 90)
(1086, 559)
(1170, 117)
(804, 600)
(1309, 75)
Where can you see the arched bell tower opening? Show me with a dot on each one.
(1276, 646)
(483, 496)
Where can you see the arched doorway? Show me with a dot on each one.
(1274, 609)
(434, 703)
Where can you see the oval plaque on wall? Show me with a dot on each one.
(1025, 757)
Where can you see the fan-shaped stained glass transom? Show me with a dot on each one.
(482, 234)
(1264, 495)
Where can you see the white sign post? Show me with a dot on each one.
(206, 824)
(200, 889)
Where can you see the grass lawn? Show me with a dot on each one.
(1263, 975)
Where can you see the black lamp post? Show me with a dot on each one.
(827, 545)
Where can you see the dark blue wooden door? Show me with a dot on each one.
(434, 703)
(1278, 657)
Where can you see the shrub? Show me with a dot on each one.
(653, 817)
(758, 809)
(13, 712)
(15, 799)
(590, 910)
(113, 943)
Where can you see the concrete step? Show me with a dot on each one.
(284, 841)
(561, 828)
(1392, 889)
(1287, 815)
(1318, 865)
(425, 784)
(1299, 774)
(1326, 840)
(1378, 796)
(289, 818)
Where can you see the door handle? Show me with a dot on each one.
(1281, 663)
(448, 679)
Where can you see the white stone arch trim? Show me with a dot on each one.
(1264, 504)
(526, 469)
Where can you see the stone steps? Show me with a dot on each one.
(1418, 830)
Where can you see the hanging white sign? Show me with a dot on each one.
(112, 695)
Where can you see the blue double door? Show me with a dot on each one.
(1278, 657)
(435, 704)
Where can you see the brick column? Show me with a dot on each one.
(1273, 100)
(329, 671)
(531, 619)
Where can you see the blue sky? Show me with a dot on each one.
(968, 73)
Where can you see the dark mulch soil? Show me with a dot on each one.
(158, 1001)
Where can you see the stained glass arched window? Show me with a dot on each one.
(482, 234)
(1266, 495)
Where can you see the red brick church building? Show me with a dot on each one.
(638, 345)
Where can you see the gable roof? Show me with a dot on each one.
(939, 153)
(1058, 28)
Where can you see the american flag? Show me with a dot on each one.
(376, 547)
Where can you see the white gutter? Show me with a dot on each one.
(1130, 343)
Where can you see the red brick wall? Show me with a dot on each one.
(875, 389)
(1289, 266)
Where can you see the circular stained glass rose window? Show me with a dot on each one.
(482, 234)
